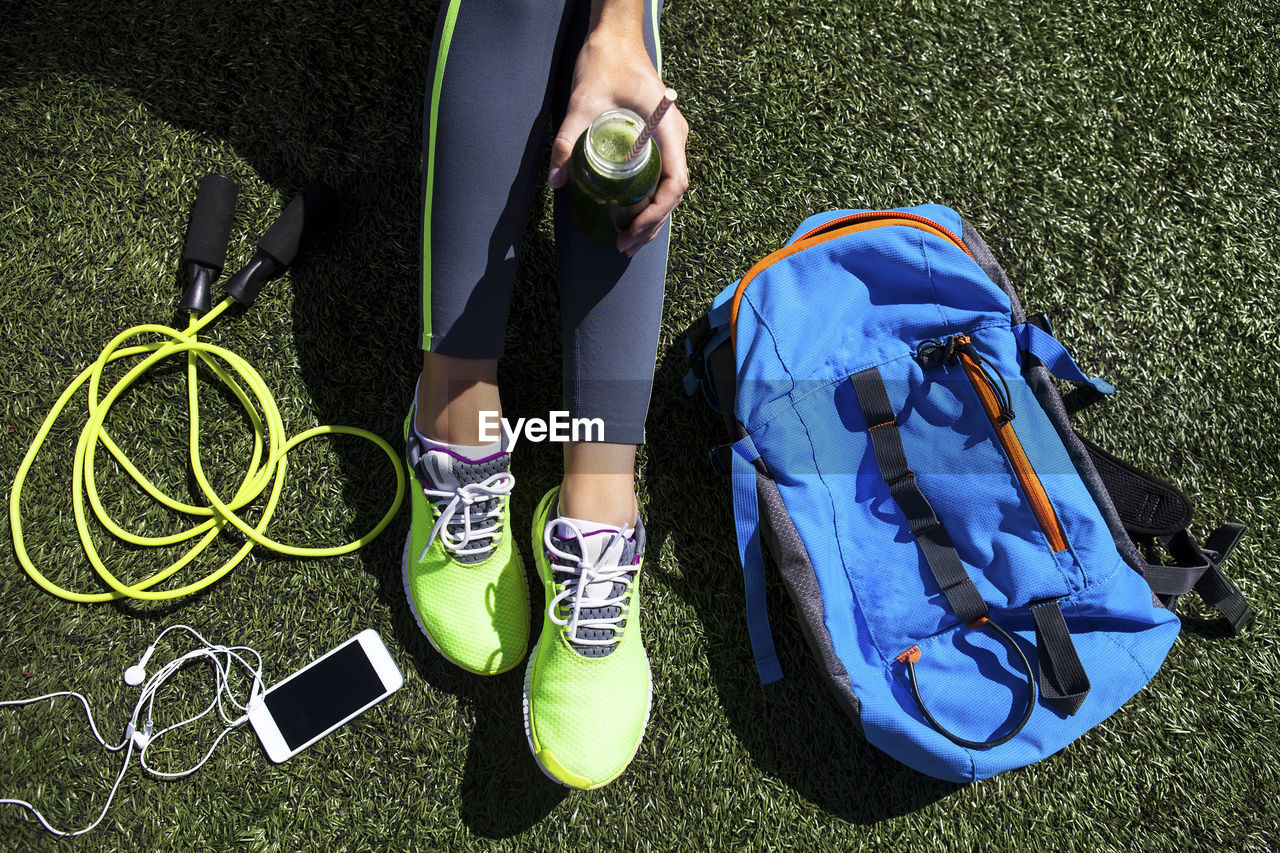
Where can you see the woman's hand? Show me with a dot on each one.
(613, 70)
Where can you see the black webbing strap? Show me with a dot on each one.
(1151, 508)
(1063, 682)
(939, 552)
(1198, 568)
(1214, 587)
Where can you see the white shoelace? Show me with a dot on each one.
(576, 592)
(473, 525)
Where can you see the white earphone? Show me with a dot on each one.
(224, 659)
(136, 674)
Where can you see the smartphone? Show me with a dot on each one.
(324, 694)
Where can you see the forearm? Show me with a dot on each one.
(619, 22)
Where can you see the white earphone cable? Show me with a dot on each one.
(224, 660)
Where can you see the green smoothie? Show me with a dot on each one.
(607, 190)
(613, 140)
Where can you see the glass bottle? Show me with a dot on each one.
(606, 189)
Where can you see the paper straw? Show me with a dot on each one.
(668, 98)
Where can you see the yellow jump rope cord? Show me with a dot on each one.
(217, 514)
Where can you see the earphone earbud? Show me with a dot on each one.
(135, 675)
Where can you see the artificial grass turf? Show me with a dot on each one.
(1120, 161)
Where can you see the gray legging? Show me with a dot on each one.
(500, 79)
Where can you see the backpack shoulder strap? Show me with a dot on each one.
(1153, 509)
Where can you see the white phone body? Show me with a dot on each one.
(331, 690)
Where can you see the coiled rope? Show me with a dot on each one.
(267, 466)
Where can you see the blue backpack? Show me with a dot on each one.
(978, 581)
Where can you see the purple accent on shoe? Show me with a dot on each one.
(613, 531)
(466, 459)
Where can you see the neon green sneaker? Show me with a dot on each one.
(462, 573)
(587, 687)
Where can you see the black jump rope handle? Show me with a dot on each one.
(205, 251)
(309, 213)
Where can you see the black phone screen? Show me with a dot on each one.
(316, 700)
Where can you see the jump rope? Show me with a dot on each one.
(203, 258)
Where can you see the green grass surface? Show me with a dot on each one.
(1121, 161)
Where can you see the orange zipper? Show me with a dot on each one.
(829, 231)
(1013, 449)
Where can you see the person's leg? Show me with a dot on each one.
(611, 311)
(484, 130)
(599, 482)
(452, 393)
(484, 135)
(588, 686)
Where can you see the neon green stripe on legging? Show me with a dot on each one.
(657, 42)
(446, 36)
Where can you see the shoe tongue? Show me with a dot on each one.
(447, 471)
(603, 546)
(441, 470)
